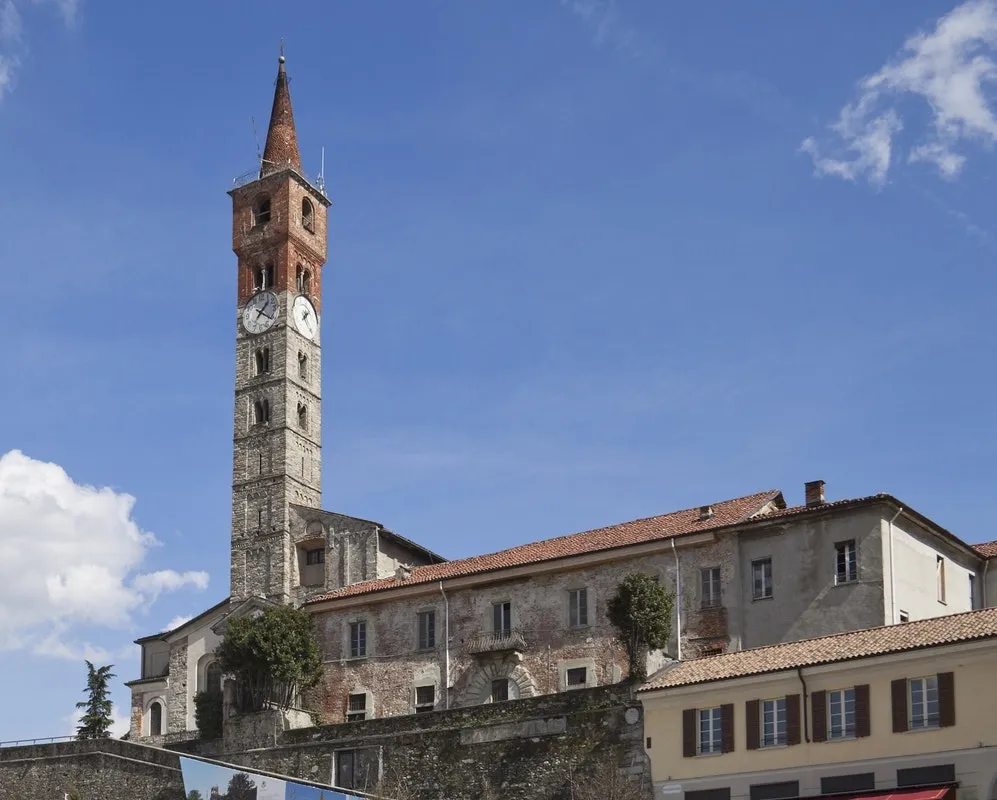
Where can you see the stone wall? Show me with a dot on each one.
(100, 770)
(532, 748)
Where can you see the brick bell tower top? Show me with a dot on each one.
(281, 150)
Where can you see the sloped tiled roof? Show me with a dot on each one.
(829, 649)
(677, 523)
(986, 549)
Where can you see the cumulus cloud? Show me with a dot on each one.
(13, 45)
(176, 622)
(120, 722)
(952, 71)
(69, 557)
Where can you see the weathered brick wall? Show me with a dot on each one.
(176, 711)
(106, 770)
(524, 749)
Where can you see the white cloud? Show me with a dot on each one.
(69, 556)
(176, 622)
(952, 70)
(13, 45)
(120, 722)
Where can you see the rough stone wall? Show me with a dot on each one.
(523, 749)
(176, 689)
(101, 770)
(539, 610)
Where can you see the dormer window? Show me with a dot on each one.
(261, 211)
(307, 215)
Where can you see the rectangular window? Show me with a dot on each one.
(708, 794)
(904, 616)
(315, 557)
(773, 720)
(923, 702)
(358, 769)
(841, 714)
(710, 587)
(761, 578)
(576, 676)
(425, 699)
(847, 784)
(356, 709)
(578, 608)
(972, 592)
(926, 776)
(358, 639)
(940, 577)
(774, 791)
(710, 731)
(846, 561)
(427, 630)
(500, 689)
(502, 618)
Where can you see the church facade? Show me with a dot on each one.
(404, 630)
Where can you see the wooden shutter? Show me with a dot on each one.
(727, 728)
(946, 699)
(689, 732)
(818, 708)
(751, 725)
(792, 719)
(863, 724)
(898, 693)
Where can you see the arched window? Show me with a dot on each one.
(262, 360)
(303, 280)
(261, 412)
(268, 276)
(261, 211)
(302, 416)
(307, 215)
(302, 366)
(213, 677)
(156, 719)
(258, 279)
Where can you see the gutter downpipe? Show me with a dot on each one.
(446, 646)
(678, 604)
(893, 572)
(806, 734)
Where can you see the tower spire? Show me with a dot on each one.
(281, 150)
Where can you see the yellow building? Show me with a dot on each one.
(906, 710)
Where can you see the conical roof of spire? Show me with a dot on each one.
(281, 150)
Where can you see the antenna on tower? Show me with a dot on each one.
(321, 175)
(259, 155)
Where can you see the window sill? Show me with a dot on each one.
(781, 746)
(759, 599)
(923, 728)
(830, 739)
(710, 755)
(846, 583)
(350, 659)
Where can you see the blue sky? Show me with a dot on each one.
(589, 261)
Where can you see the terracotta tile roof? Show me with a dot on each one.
(829, 649)
(678, 523)
(986, 549)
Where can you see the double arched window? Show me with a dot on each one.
(307, 215)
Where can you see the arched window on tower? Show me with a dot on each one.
(302, 416)
(302, 366)
(268, 281)
(258, 278)
(156, 719)
(262, 358)
(261, 210)
(307, 215)
(261, 412)
(303, 280)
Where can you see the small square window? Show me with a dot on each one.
(846, 562)
(500, 690)
(357, 707)
(576, 676)
(313, 557)
(904, 616)
(761, 578)
(425, 699)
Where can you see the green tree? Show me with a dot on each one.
(241, 787)
(641, 612)
(96, 720)
(272, 656)
(194, 794)
(208, 714)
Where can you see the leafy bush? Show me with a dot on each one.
(641, 612)
(208, 714)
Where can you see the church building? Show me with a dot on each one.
(404, 630)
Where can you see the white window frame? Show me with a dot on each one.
(578, 602)
(423, 642)
(772, 714)
(710, 587)
(764, 566)
(927, 689)
(365, 651)
(709, 731)
(841, 704)
(846, 555)
(940, 577)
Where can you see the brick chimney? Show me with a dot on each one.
(705, 512)
(813, 491)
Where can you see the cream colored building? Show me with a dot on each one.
(908, 710)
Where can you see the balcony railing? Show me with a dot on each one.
(496, 642)
(254, 175)
(44, 740)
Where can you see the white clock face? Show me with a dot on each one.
(304, 316)
(260, 312)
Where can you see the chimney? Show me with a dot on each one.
(402, 572)
(705, 512)
(813, 491)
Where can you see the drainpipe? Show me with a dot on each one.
(893, 572)
(806, 735)
(678, 603)
(446, 646)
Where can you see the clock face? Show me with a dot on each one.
(304, 316)
(260, 312)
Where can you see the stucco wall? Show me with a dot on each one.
(915, 557)
(974, 666)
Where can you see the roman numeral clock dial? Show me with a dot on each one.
(260, 312)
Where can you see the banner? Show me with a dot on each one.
(203, 780)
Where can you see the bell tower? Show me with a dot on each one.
(279, 238)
